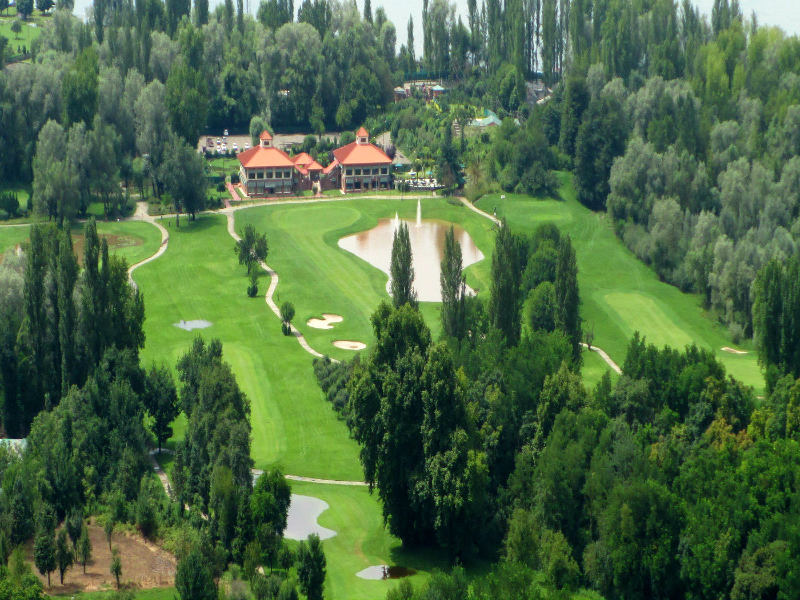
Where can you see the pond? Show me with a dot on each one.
(302, 518)
(427, 248)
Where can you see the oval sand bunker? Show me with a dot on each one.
(196, 324)
(326, 322)
(378, 572)
(349, 344)
(302, 518)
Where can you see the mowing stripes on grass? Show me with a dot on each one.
(619, 293)
(199, 277)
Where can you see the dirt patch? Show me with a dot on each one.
(349, 344)
(144, 565)
(114, 242)
(326, 322)
(733, 350)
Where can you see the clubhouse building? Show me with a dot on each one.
(268, 171)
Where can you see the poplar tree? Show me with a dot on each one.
(44, 545)
(506, 298)
(453, 287)
(66, 277)
(402, 269)
(64, 556)
(568, 318)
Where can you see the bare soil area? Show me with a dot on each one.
(114, 242)
(144, 565)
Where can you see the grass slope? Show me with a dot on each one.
(319, 277)
(199, 278)
(361, 541)
(619, 293)
(134, 240)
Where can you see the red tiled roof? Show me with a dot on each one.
(265, 135)
(314, 166)
(302, 159)
(260, 158)
(332, 166)
(361, 154)
(362, 132)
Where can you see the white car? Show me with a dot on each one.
(235, 147)
(247, 145)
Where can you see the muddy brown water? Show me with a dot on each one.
(427, 247)
(383, 572)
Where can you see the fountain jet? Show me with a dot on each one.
(419, 213)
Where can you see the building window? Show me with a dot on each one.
(384, 170)
(358, 171)
(349, 172)
(287, 174)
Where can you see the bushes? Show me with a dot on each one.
(252, 289)
(9, 205)
(333, 378)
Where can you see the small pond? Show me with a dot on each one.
(385, 572)
(302, 521)
(427, 248)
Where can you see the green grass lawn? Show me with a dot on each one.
(133, 240)
(361, 541)
(11, 236)
(619, 293)
(319, 277)
(199, 278)
(167, 593)
(27, 34)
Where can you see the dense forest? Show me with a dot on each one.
(672, 481)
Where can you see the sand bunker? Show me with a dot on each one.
(378, 572)
(302, 520)
(733, 350)
(326, 322)
(349, 345)
(196, 324)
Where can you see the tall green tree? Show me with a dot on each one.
(251, 248)
(80, 88)
(116, 565)
(311, 565)
(84, 548)
(193, 579)
(200, 12)
(64, 555)
(184, 176)
(161, 402)
(187, 101)
(567, 295)
(66, 278)
(453, 288)
(270, 500)
(505, 302)
(776, 316)
(401, 269)
(601, 138)
(44, 544)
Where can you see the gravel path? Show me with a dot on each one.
(273, 284)
(605, 357)
(593, 348)
(141, 215)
